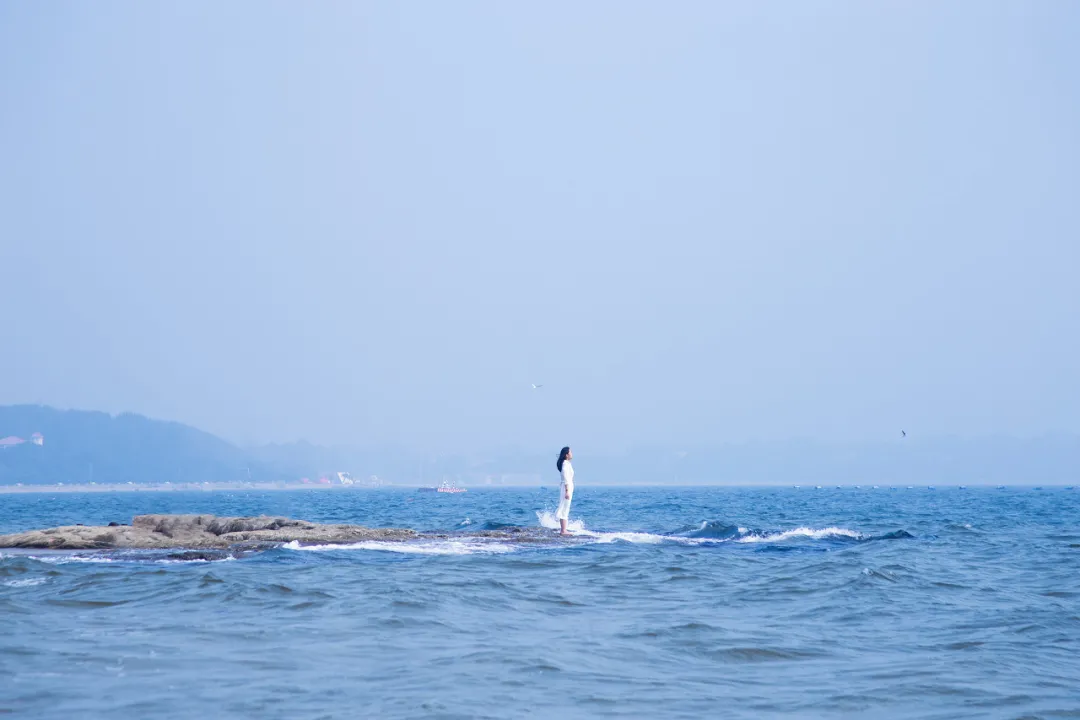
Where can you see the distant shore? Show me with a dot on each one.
(183, 487)
(240, 487)
(218, 487)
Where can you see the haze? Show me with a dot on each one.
(694, 223)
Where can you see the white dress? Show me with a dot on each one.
(566, 491)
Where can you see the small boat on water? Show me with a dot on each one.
(446, 487)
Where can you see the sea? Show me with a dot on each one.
(667, 602)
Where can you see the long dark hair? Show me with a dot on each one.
(562, 457)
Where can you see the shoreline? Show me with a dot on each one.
(187, 487)
(231, 487)
(292, 487)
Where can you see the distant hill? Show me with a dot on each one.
(80, 447)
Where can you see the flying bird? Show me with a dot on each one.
(903, 434)
(536, 387)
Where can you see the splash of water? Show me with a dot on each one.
(548, 520)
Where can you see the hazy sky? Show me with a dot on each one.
(693, 222)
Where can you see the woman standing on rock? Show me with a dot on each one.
(566, 488)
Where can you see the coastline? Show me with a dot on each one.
(187, 487)
(292, 487)
(218, 487)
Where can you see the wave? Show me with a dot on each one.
(716, 530)
(414, 547)
(576, 528)
(894, 535)
(828, 533)
(156, 557)
(548, 520)
(65, 559)
(719, 531)
(640, 538)
(712, 532)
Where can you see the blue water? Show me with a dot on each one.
(681, 602)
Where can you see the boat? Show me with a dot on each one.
(446, 487)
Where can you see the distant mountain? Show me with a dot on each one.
(81, 447)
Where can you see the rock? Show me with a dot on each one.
(197, 532)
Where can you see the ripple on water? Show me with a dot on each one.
(666, 603)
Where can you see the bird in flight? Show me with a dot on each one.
(903, 434)
(536, 387)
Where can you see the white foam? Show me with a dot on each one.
(548, 520)
(26, 582)
(65, 559)
(414, 547)
(801, 532)
(577, 529)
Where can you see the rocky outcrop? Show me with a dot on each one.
(197, 532)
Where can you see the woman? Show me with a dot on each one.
(566, 488)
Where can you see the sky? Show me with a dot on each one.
(695, 223)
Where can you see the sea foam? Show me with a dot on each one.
(413, 547)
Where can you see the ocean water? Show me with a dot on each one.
(668, 603)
